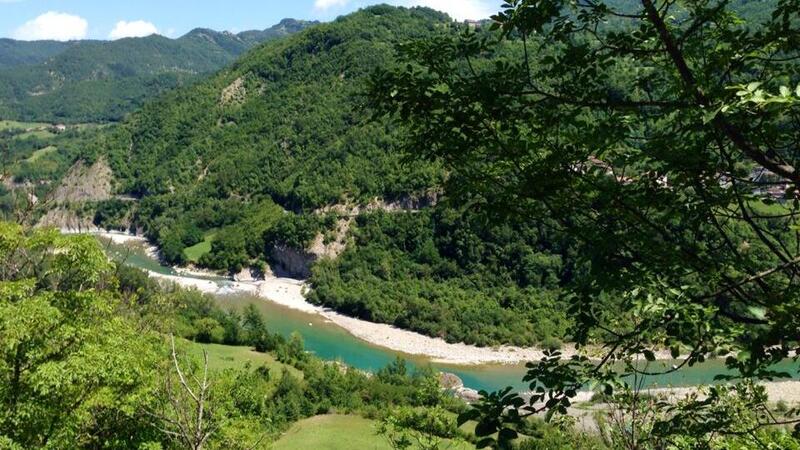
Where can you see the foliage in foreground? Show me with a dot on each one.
(662, 138)
(74, 371)
(85, 363)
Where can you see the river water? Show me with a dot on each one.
(331, 342)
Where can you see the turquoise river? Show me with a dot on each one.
(331, 342)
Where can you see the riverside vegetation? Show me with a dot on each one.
(615, 173)
(90, 360)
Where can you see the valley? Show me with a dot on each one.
(554, 225)
(368, 346)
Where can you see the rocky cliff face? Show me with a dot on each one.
(288, 262)
(85, 184)
(82, 184)
(293, 263)
(66, 219)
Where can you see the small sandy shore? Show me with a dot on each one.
(290, 293)
(117, 237)
(787, 391)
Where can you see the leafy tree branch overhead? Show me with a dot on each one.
(661, 135)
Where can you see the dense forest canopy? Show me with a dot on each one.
(282, 126)
(665, 146)
(94, 81)
(16, 53)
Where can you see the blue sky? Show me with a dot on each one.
(112, 19)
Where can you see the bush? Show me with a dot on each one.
(551, 343)
(209, 331)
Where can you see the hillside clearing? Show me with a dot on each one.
(338, 432)
(41, 153)
(195, 252)
(332, 432)
(221, 357)
(14, 125)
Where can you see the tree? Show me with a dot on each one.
(253, 323)
(187, 416)
(209, 331)
(424, 429)
(661, 138)
(71, 367)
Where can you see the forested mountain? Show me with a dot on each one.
(249, 158)
(277, 159)
(86, 81)
(16, 53)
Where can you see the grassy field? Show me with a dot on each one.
(332, 432)
(338, 432)
(38, 154)
(14, 125)
(39, 134)
(222, 357)
(195, 252)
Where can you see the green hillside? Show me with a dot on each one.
(16, 53)
(103, 80)
(285, 125)
(253, 153)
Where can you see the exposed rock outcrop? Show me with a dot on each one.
(85, 184)
(293, 263)
(250, 274)
(332, 244)
(80, 185)
(288, 262)
(234, 94)
(452, 383)
(409, 203)
(68, 220)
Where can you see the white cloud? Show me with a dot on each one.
(53, 25)
(322, 5)
(460, 9)
(136, 28)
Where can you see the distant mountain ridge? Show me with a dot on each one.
(94, 80)
(17, 53)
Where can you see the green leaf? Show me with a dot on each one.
(507, 434)
(466, 416)
(785, 91)
(675, 351)
(649, 355)
(485, 429)
(485, 442)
